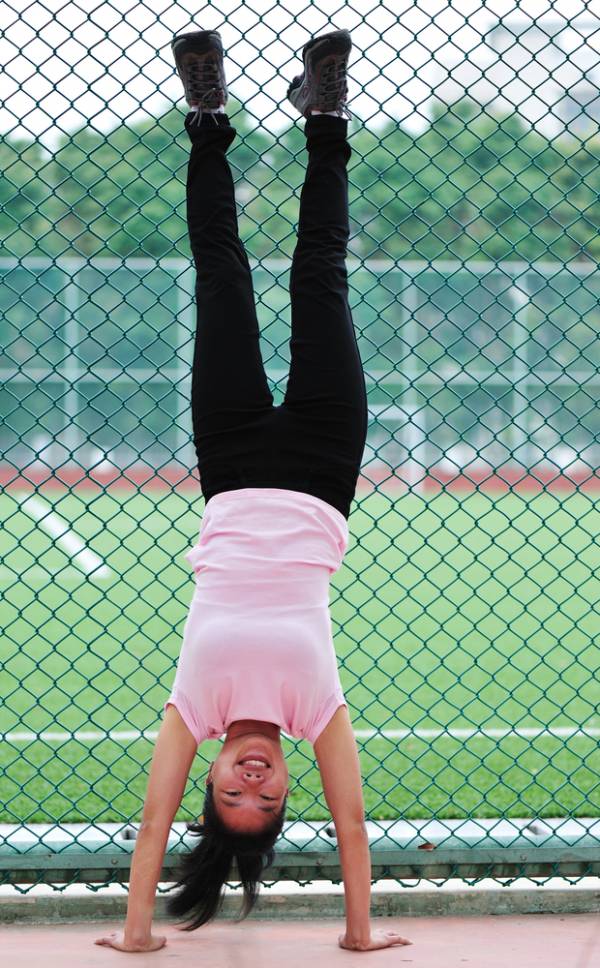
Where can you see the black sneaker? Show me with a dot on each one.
(323, 85)
(199, 61)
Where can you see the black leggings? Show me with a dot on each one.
(314, 440)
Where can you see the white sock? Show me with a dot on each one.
(219, 110)
(334, 114)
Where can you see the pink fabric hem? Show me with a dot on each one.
(241, 492)
(332, 707)
(177, 700)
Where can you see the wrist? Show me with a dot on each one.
(358, 935)
(136, 940)
(359, 942)
(137, 933)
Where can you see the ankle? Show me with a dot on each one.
(219, 110)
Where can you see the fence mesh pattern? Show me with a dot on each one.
(465, 616)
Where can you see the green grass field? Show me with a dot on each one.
(476, 612)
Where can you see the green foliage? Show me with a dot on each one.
(471, 185)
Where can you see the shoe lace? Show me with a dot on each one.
(333, 89)
(203, 84)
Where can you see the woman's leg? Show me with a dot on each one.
(326, 383)
(229, 385)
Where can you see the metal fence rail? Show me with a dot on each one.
(465, 615)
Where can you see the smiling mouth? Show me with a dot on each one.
(255, 762)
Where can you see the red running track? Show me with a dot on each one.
(522, 941)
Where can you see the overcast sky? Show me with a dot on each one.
(61, 65)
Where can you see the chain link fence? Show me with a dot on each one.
(465, 615)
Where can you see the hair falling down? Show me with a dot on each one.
(204, 870)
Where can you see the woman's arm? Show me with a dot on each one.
(171, 763)
(337, 757)
(339, 766)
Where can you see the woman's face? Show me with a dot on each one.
(250, 781)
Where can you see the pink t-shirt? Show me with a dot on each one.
(257, 642)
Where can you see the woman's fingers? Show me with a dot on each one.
(117, 940)
(397, 938)
(380, 938)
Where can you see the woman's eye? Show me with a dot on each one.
(232, 793)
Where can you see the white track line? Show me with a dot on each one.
(85, 559)
(561, 732)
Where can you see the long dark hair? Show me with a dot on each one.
(205, 869)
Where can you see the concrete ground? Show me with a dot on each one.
(525, 941)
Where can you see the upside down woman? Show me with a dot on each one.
(257, 655)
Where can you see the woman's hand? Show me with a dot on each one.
(117, 940)
(379, 939)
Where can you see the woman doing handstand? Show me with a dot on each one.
(257, 655)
